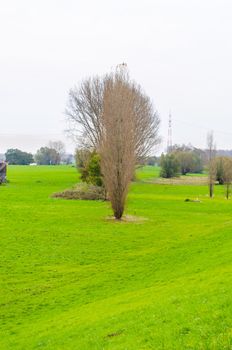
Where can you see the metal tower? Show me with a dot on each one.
(169, 143)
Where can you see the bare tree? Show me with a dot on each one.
(211, 148)
(85, 109)
(118, 142)
(147, 123)
(59, 147)
(113, 115)
(82, 157)
(227, 174)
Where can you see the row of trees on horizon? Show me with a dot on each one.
(186, 158)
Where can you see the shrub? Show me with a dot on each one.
(94, 170)
(83, 191)
(89, 164)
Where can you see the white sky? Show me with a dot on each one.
(180, 51)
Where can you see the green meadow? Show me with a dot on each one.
(71, 279)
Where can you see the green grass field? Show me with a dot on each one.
(73, 280)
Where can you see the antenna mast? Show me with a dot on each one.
(169, 144)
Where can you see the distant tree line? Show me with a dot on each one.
(17, 157)
(181, 160)
(53, 154)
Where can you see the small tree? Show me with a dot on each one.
(169, 165)
(219, 169)
(211, 148)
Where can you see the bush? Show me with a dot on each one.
(94, 170)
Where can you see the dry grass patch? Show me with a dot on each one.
(181, 180)
(128, 218)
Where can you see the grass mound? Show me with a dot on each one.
(82, 191)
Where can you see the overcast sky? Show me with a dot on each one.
(180, 51)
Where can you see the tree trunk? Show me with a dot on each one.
(227, 191)
(211, 190)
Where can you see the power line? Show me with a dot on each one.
(197, 126)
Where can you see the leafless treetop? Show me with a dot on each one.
(85, 110)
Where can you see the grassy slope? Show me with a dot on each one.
(73, 280)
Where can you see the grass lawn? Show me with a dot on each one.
(72, 280)
(147, 172)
